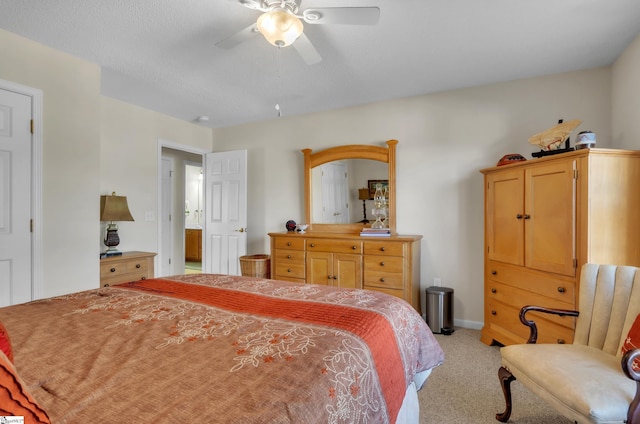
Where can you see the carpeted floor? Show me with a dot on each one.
(465, 389)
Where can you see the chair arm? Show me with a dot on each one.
(533, 334)
(633, 415)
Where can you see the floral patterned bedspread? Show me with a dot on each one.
(218, 348)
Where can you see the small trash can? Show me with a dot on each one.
(440, 310)
(255, 266)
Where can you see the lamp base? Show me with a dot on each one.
(114, 252)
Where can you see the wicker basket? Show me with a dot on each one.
(255, 266)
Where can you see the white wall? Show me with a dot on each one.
(444, 140)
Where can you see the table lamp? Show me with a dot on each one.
(363, 194)
(113, 208)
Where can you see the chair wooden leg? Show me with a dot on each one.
(505, 378)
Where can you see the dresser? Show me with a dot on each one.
(130, 266)
(545, 218)
(389, 264)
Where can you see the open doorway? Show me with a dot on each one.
(172, 222)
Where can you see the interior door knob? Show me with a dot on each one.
(241, 230)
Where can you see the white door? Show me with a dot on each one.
(335, 196)
(225, 197)
(166, 245)
(15, 198)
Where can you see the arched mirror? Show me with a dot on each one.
(365, 164)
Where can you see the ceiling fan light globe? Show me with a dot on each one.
(279, 27)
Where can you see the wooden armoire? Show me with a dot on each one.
(545, 218)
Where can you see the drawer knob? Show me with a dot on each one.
(112, 270)
(494, 312)
(560, 341)
(527, 216)
(493, 290)
(519, 216)
(353, 247)
(561, 290)
(494, 272)
(289, 270)
(288, 256)
(106, 285)
(382, 280)
(335, 277)
(381, 263)
(313, 245)
(143, 278)
(288, 243)
(137, 265)
(382, 249)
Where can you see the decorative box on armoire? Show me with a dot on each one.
(545, 218)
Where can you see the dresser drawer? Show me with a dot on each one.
(334, 246)
(562, 289)
(383, 248)
(292, 243)
(391, 280)
(384, 264)
(289, 256)
(290, 270)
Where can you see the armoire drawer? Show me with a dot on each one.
(504, 294)
(544, 284)
(504, 319)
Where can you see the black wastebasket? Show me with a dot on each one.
(440, 309)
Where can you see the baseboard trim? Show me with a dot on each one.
(473, 325)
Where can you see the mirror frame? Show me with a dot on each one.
(351, 151)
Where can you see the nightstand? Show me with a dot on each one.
(130, 266)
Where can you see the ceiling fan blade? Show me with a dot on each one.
(309, 53)
(342, 15)
(238, 37)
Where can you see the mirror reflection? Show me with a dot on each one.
(335, 191)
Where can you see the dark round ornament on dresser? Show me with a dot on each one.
(290, 225)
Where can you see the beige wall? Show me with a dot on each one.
(444, 140)
(625, 108)
(71, 157)
(92, 145)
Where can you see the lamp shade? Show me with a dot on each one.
(114, 208)
(279, 27)
(363, 194)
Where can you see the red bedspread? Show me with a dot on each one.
(220, 349)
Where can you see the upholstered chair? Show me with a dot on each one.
(590, 380)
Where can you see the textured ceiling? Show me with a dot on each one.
(161, 54)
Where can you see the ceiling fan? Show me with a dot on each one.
(280, 24)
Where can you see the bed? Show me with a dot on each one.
(207, 348)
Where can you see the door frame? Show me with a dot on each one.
(37, 285)
(162, 143)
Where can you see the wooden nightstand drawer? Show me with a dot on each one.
(130, 266)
